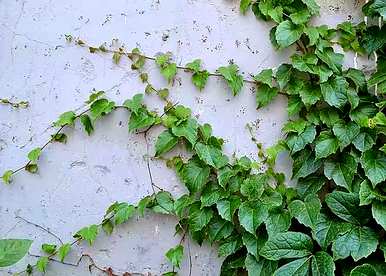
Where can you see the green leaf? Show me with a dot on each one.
(306, 212)
(199, 218)
(363, 270)
(300, 17)
(88, 233)
(309, 185)
(211, 195)
(175, 255)
(259, 266)
(67, 118)
(63, 251)
(332, 59)
(231, 74)
(251, 215)
(164, 203)
(345, 132)
(367, 193)
(224, 175)
(312, 6)
(364, 141)
(299, 267)
(374, 164)
(49, 248)
(296, 126)
(287, 33)
(94, 96)
(187, 129)
(359, 242)
(295, 104)
(265, 76)
(342, 171)
(7, 176)
(101, 108)
(227, 207)
(329, 117)
(219, 229)
(310, 95)
(357, 77)
(200, 79)
(379, 213)
(313, 35)
(265, 94)
(254, 243)
(253, 186)
(297, 142)
(322, 264)
(13, 250)
(229, 246)
(34, 154)
(305, 164)
(328, 229)
(283, 75)
(326, 144)
(42, 263)
(108, 226)
(346, 206)
(335, 91)
(59, 137)
(244, 5)
(165, 142)
(279, 220)
(168, 69)
(123, 212)
(286, 246)
(141, 120)
(135, 104)
(87, 124)
(211, 155)
(195, 175)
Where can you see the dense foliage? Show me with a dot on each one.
(332, 222)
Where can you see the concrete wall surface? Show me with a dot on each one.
(79, 180)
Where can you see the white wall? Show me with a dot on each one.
(77, 181)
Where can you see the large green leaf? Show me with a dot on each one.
(12, 250)
(297, 142)
(346, 206)
(322, 264)
(175, 255)
(265, 94)
(287, 245)
(342, 171)
(374, 164)
(326, 144)
(305, 164)
(287, 33)
(359, 242)
(259, 266)
(364, 141)
(231, 74)
(367, 193)
(278, 220)
(346, 133)
(199, 217)
(187, 129)
(299, 267)
(307, 211)
(379, 213)
(335, 92)
(195, 175)
(211, 155)
(227, 207)
(312, 6)
(251, 214)
(363, 270)
(219, 229)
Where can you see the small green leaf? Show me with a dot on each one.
(42, 263)
(31, 168)
(13, 250)
(175, 255)
(253, 186)
(244, 5)
(297, 142)
(187, 129)
(199, 218)
(312, 6)
(49, 248)
(306, 212)
(335, 92)
(283, 75)
(34, 154)
(265, 94)
(101, 108)
(123, 212)
(168, 69)
(227, 207)
(164, 203)
(286, 246)
(63, 251)
(59, 137)
(135, 103)
(265, 76)
(379, 213)
(165, 142)
(326, 144)
(88, 233)
(374, 164)
(300, 17)
(87, 124)
(211, 155)
(287, 33)
(7, 176)
(231, 74)
(67, 118)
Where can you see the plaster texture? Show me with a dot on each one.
(79, 180)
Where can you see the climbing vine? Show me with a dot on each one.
(332, 222)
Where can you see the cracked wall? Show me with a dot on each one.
(77, 181)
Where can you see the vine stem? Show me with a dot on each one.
(40, 227)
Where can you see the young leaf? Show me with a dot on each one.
(67, 118)
(63, 251)
(42, 263)
(49, 248)
(265, 94)
(7, 176)
(187, 129)
(164, 203)
(231, 74)
(101, 108)
(244, 5)
(135, 103)
(123, 212)
(13, 250)
(175, 255)
(88, 233)
(87, 124)
(34, 154)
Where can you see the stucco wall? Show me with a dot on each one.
(77, 181)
